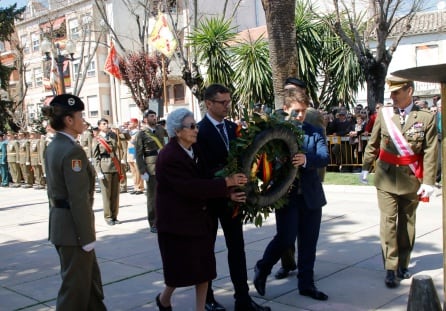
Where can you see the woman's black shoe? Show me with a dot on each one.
(160, 306)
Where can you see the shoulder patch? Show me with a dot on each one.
(76, 165)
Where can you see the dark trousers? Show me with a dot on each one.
(233, 232)
(4, 174)
(295, 219)
(151, 188)
(81, 287)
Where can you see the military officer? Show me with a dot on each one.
(4, 172)
(148, 143)
(122, 142)
(70, 179)
(25, 159)
(404, 138)
(108, 170)
(86, 140)
(35, 159)
(13, 160)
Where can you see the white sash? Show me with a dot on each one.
(398, 139)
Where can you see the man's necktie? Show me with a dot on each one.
(402, 117)
(221, 129)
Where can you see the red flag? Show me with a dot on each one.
(112, 63)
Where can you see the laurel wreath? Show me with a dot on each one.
(263, 151)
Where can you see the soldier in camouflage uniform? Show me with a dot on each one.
(148, 143)
(13, 160)
(25, 159)
(36, 159)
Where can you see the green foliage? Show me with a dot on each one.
(277, 154)
(252, 73)
(211, 41)
(7, 17)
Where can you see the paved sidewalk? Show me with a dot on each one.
(348, 266)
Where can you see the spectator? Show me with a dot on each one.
(355, 138)
(372, 118)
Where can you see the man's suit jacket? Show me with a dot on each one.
(182, 191)
(420, 132)
(70, 177)
(212, 145)
(316, 152)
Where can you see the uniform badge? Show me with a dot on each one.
(76, 165)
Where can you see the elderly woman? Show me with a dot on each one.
(70, 181)
(184, 227)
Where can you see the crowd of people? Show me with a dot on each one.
(178, 160)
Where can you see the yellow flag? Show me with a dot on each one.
(162, 38)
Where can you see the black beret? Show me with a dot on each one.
(68, 101)
(296, 82)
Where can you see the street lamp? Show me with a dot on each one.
(70, 48)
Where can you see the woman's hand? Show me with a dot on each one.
(299, 159)
(239, 197)
(236, 180)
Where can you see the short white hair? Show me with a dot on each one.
(175, 120)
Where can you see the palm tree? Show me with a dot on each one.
(211, 41)
(252, 74)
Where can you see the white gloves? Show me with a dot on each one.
(145, 176)
(363, 177)
(122, 161)
(425, 191)
(89, 247)
(101, 176)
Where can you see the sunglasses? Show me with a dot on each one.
(191, 126)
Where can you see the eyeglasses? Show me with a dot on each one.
(222, 102)
(191, 126)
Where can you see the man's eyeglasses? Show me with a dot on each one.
(191, 126)
(222, 102)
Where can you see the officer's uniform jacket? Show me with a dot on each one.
(34, 150)
(147, 149)
(13, 151)
(24, 152)
(103, 160)
(86, 141)
(70, 184)
(421, 134)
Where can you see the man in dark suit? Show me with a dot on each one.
(301, 217)
(213, 140)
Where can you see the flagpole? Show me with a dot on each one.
(163, 68)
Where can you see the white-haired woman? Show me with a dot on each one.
(184, 227)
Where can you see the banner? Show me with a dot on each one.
(112, 63)
(162, 38)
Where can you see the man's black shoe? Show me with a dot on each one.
(390, 279)
(314, 293)
(282, 273)
(259, 281)
(116, 222)
(110, 222)
(250, 306)
(213, 305)
(403, 273)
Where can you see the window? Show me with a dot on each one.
(28, 78)
(76, 68)
(35, 39)
(24, 42)
(38, 77)
(73, 24)
(93, 106)
(91, 70)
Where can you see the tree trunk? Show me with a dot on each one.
(281, 29)
(376, 77)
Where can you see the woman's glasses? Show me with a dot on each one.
(191, 126)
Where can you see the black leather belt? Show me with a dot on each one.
(59, 203)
